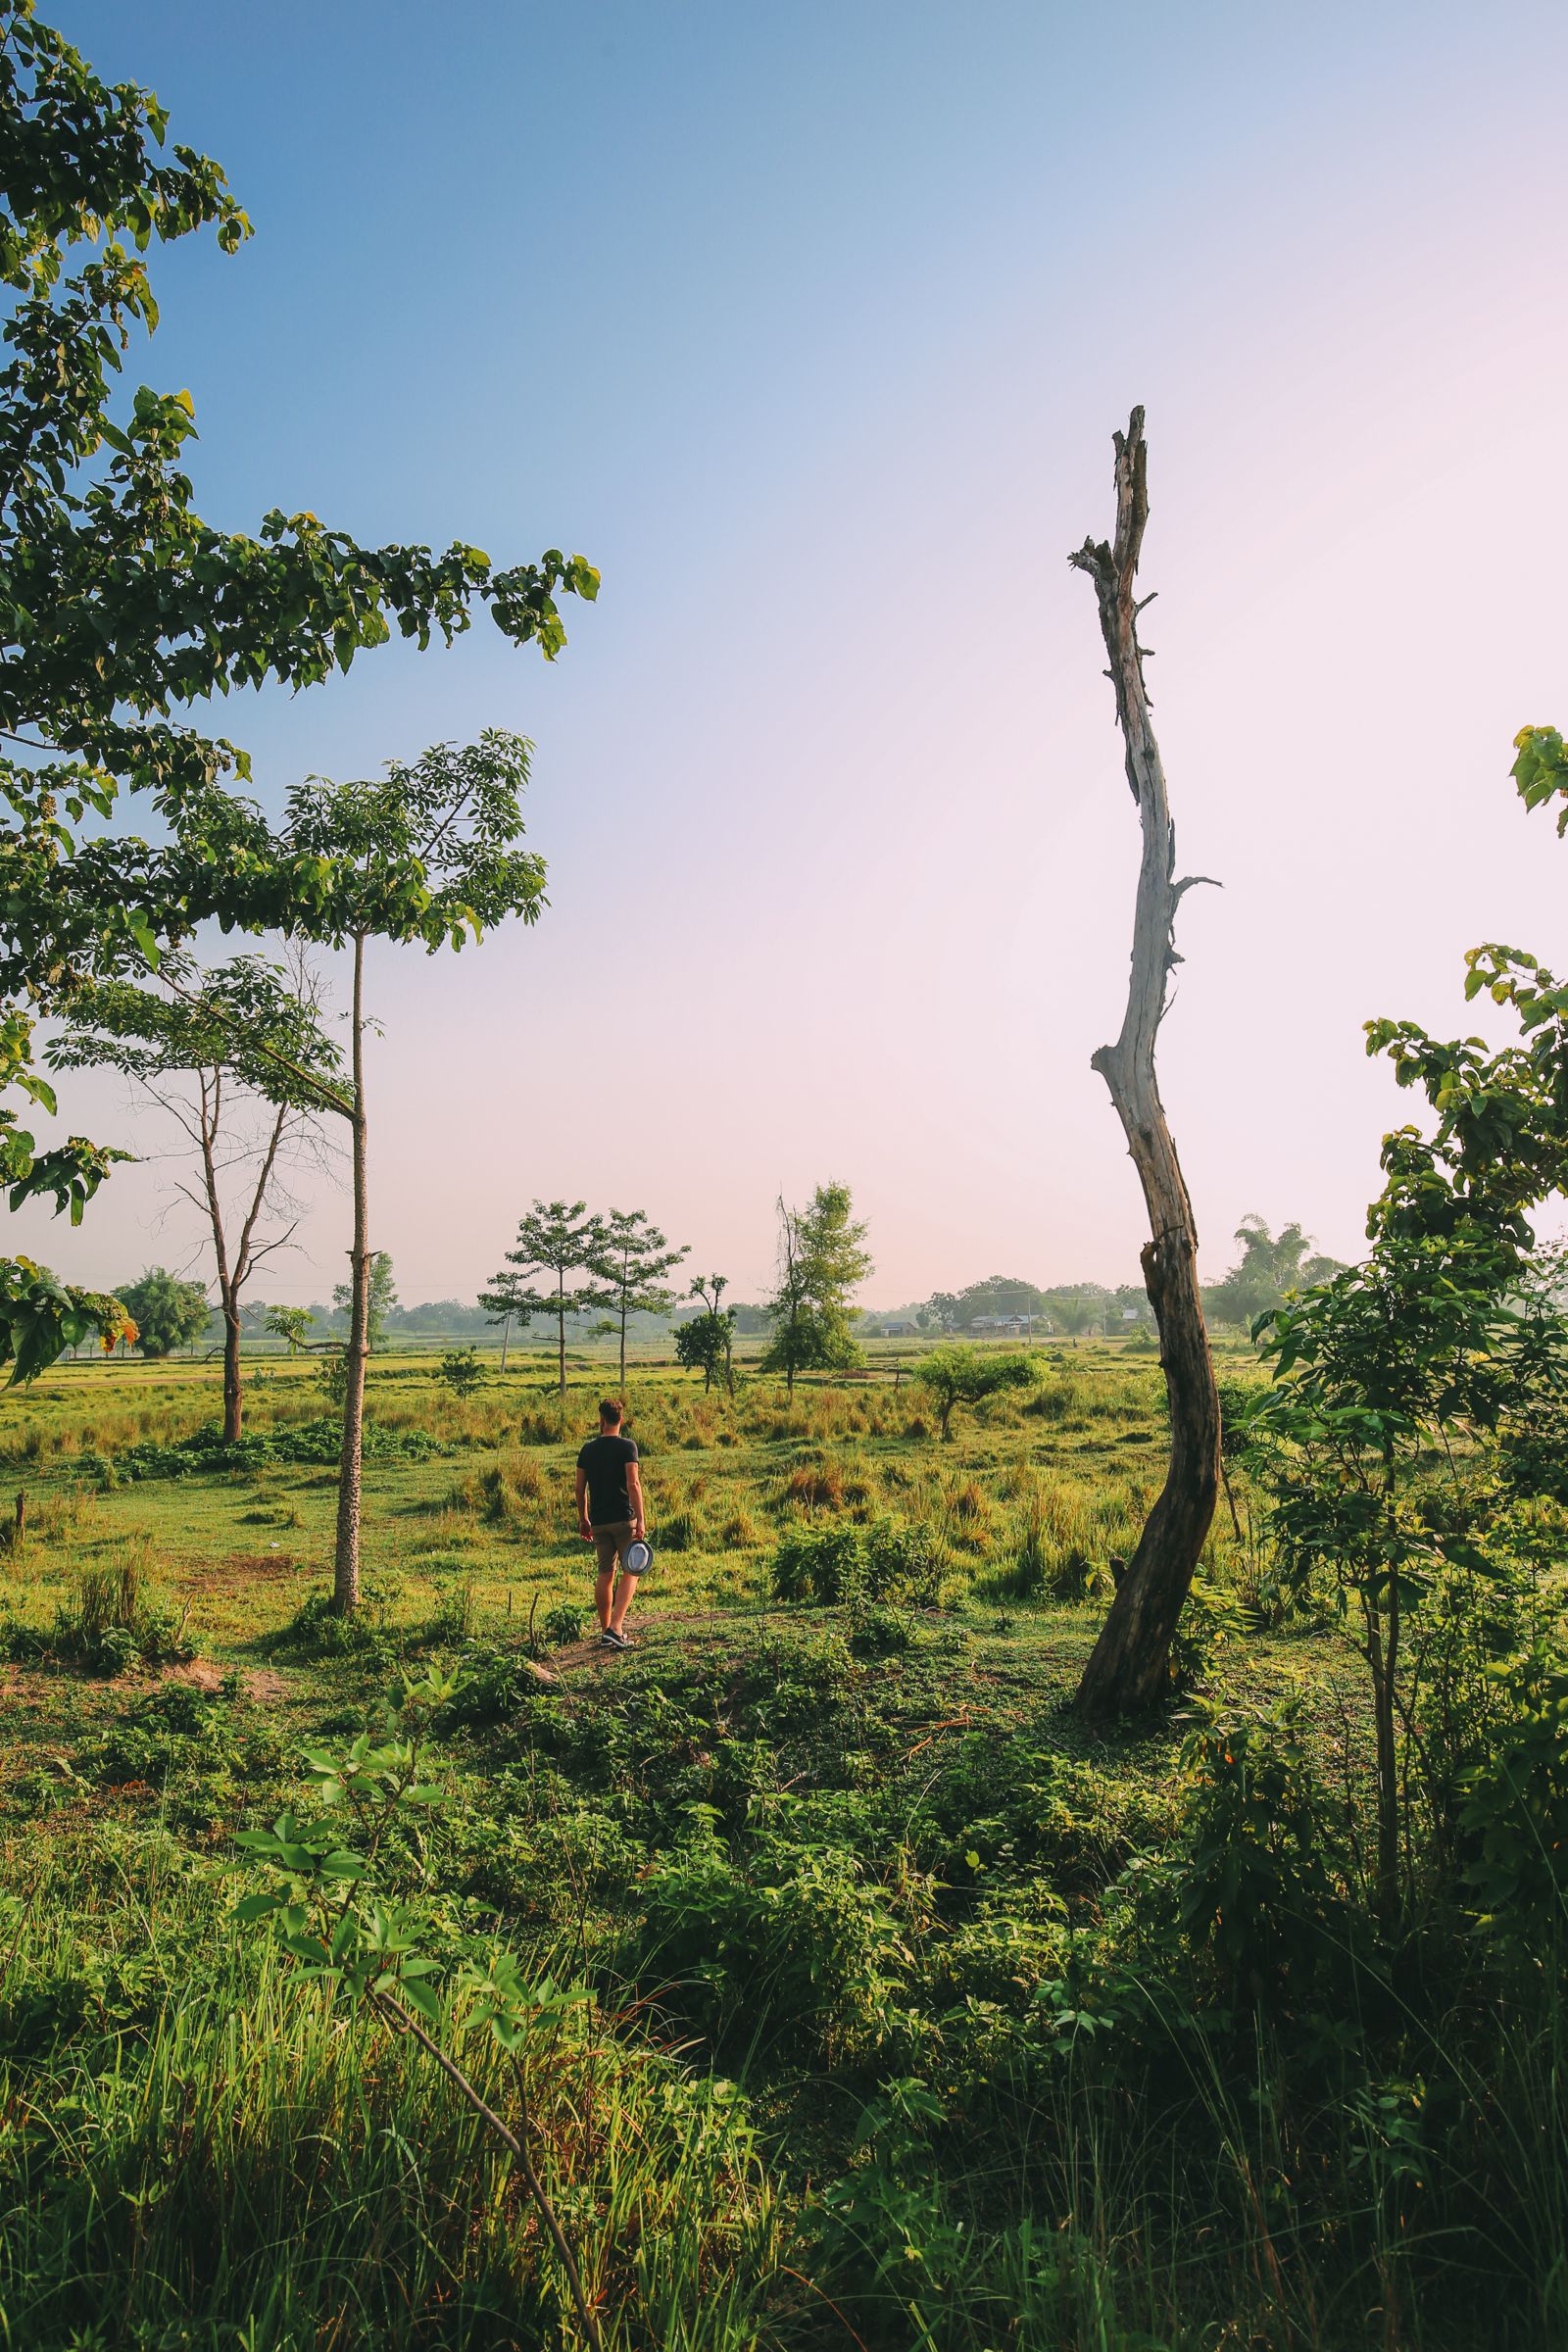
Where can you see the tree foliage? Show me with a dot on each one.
(223, 1056)
(1270, 1266)
(42, 1316)
(168, 1312)
(121, 608)
(1417, 1355)
(559, 1238)
(706, 1343)
(630, 1260)
(957, 1375)
(382, 1296)
(289, 1323)
(821, 1263)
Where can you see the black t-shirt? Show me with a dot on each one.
(604, 1459)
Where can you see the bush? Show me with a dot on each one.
(303, 1443)
(1516, 1812)
(888, 1561)
(1253, 1894)
(317, 1629)
(460, 1370)
(562, 1625)
(1209, 1619)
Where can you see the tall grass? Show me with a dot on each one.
(191, 2133)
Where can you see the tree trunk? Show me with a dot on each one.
(505, 1327)
(1379, 1657)
(1127, 1670)
(624, 1349)
(560, 1345)
(346, 1565)
(232, 1397)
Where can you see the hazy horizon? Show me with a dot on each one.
(811, 327)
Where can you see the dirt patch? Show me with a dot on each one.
(261, 1683)
(238, 1571)
(200, 1672)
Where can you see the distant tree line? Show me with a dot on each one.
(809, 1319)
(1269, 1268)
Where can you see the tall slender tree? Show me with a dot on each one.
(631, 1258)
(1126, 1669)
(427, 853)
(822, 1262)
(557, 1238)
(215, 1050)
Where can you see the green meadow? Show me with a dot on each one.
(884, 2005)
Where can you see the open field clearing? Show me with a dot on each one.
(878, 2006)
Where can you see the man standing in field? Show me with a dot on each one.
(611, 1517)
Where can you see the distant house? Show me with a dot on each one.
(896, 1331)
(1012, 1326)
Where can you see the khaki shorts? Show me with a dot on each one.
(609, 1543)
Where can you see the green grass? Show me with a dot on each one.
(896, 2034)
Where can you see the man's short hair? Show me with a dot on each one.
(612, 1410)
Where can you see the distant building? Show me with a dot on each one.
(896, 1331)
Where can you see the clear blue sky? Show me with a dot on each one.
(809, 325)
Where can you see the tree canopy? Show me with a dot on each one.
(957, 1375)
(120, 607)
(559, 1238)
(168, 1312)
(1271, 1265)
(822, 1262)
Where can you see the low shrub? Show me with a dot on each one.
(316, 1629)
(564, 1623)
(888, 1560)
(305, 1443)
(114, 1623)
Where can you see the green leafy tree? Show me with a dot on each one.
(121, 610)
(461, 1371)
(1418, 1354)
(822, 1262)
(382, 1296)
(168, 1312)
(1269, 1268)
(630, 1260)
(706, 1344)
(959, 1375)
(427, 854)
(557, 1238)
(290, 1323)
(215, 1051)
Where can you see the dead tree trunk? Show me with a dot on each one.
(1127, 1670)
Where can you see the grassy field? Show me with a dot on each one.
(911, 2018)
